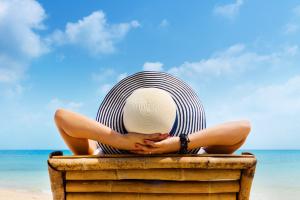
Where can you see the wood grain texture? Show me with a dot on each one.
(57, 183)
(136, 186)
(132, 196)
(152, 162)
(246, 183)
(176, 177)
(156, 174)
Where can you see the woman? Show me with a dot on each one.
(172, 120)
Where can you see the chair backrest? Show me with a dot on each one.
(207, 176)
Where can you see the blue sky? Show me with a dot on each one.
(241, 57)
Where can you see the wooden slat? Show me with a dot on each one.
(123, 176)
(152, 162)
(136, 186)
(134, 196)
(156, 174)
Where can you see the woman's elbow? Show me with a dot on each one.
(245, 127)
(59, 115)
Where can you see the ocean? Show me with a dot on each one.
(277, 173)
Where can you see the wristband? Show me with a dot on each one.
(184, 140)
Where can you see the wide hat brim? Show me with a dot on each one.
(190, 111)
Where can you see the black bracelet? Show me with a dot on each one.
(184, 140)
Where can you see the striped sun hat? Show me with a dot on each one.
(190, 115)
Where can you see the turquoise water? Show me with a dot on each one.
(25, 169)
(277, 175)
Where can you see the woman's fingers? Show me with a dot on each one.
(157, 136)
(152, 143)
(143, 147)
(148, 149)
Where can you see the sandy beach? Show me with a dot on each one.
(17, 194)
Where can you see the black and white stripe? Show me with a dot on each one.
(190, 112)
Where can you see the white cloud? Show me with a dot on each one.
(264, 101)
(277, 99)
(164, 23)
(19, 41)
(153, 66)
(228, 10)
(234, 60)
(273, 110)
(56, 103)
(238, 83)
(93, 33)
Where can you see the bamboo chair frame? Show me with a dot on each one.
(170, 176)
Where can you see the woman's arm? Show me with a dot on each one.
(222, 138)
(226, 134)
(76, 129)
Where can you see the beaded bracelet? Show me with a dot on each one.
(184, 140)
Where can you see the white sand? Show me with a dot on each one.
(17, 194)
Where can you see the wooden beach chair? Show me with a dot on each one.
(159, 177)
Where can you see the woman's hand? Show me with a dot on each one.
(168, 145)
(132, 141)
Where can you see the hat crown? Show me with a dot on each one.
(149, 110)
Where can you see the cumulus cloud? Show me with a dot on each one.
(93, 33)
(255, 96)
(236, 59)
(277, 99)
(263, 101)
(272, 109)
(228, 10)
(153, 66)
(20, 20)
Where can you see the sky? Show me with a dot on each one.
(241, 57)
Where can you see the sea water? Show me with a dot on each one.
(25, 169)
(277, 173)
